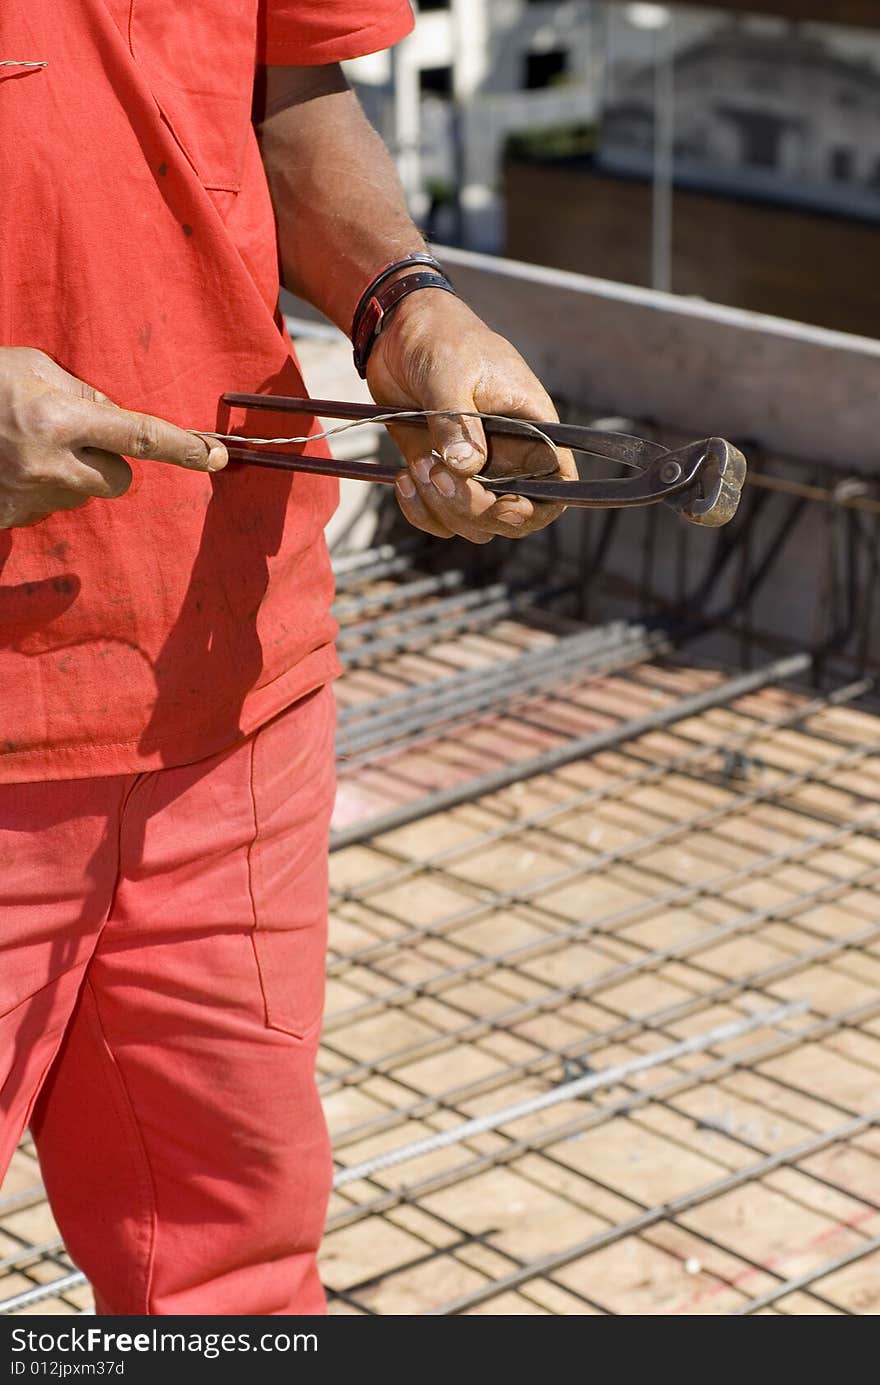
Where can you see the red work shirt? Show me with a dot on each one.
(137, 248)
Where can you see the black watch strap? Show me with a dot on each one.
(372, 315)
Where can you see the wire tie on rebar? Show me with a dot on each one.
(574, 1066)
(608, 1077)
(737, 765)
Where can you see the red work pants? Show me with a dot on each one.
(162, 941)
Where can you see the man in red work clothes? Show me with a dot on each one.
(166, 647)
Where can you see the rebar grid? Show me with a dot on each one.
(619, 928)
(792, 817)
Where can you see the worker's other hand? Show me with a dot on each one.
(437, 354)
(61, 441)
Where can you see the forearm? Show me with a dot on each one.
(341, 218)
(338, 202)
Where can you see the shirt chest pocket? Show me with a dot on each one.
(198, 57)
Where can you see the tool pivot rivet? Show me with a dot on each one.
(669, 472)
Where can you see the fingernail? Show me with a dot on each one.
(511, 517)
(406, 485)
(217, 458)
(444, 483)
(422, 469)
(459, 454)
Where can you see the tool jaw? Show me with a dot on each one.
(714, 496)
(702, 482)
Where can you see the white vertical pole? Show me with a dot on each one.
(470, 46)
(470, 64)
(407, 124)
(664, 154)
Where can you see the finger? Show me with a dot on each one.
(526, 516)
(543, 513)
(457, 503)
(513, 511)
(96, 396)
(465, 506)
(104, 474)
(110, 429)
(461, 443)
(81, 388)
(523, 398)
(415, 509)
(459, 440)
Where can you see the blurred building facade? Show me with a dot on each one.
(533, 128)
(474, 72)
(759, 109)
(773, 168)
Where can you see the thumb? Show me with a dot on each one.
(111, 429)
(460, 441)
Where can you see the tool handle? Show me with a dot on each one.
(641, 489)
(316, 466)
(360, 471)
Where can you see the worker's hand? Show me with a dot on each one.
(437, 354)
(61, 440)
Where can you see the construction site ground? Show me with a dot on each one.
(647, 972)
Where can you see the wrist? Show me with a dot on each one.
(429, 313)
(431, 332)
(386, 295)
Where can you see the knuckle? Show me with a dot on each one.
(45, 415)
(145, 438)
(35, 359)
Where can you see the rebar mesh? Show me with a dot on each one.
(681, 925)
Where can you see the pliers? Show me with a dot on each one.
(702, 481)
